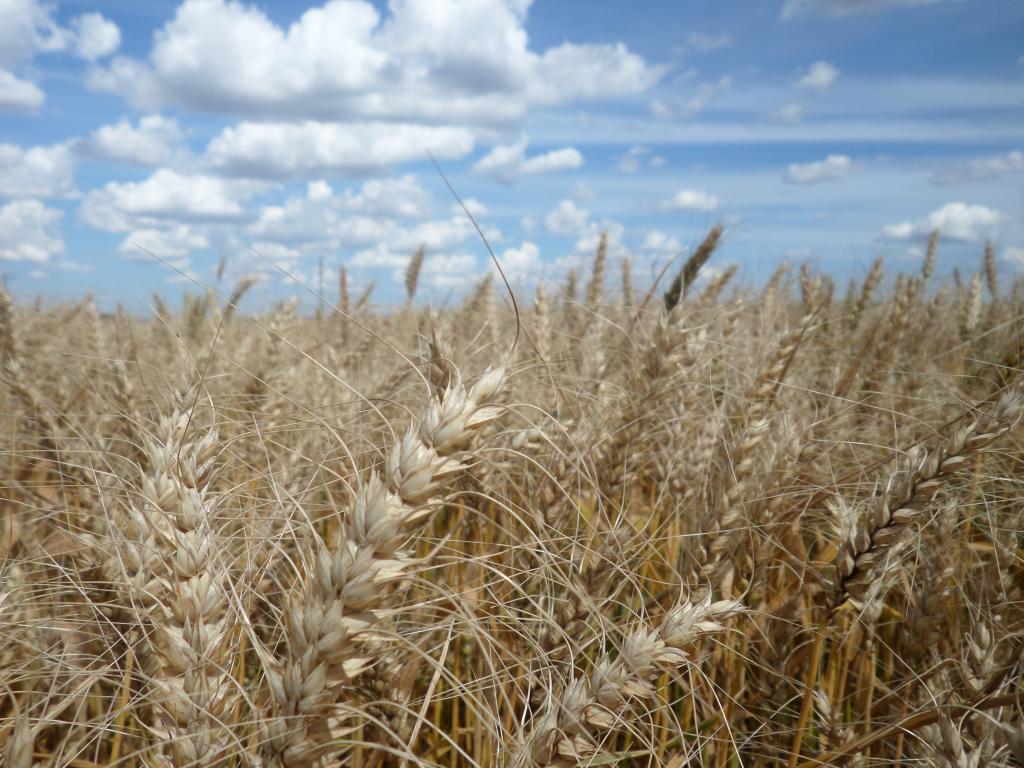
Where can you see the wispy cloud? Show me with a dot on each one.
(704, 42)
(695, 104)
(981, 169)
(638, 156)
(793, 8)
(831, 168)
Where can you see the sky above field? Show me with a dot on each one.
(143, 142)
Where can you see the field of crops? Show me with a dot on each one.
(694, 523)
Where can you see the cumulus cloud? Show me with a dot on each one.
(522, 263)
(819, 76)
(175, 242)
(508, 163)
(154, 140)
(956, 221)
(442, 61)
(19, 95)
(831, 168)
(697, 103)
(847, 7)
(657, 241)
(28, 231)
(29, 29)
(381, 223)
(166, 196)
(350, 218)
(446, 270)
(95, 36)
(982, 169)
(567, 219)
(288, 150)
(691, 200)
(35, 172)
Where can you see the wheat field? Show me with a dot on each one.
(690, 523)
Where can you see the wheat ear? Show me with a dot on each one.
(590, 708)
(907, 494)
(339, 602)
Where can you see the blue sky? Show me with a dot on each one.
(142, 142)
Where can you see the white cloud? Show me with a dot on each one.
(567, 220)
(95, 36)
(174, 243)
(522, 263)
(508, 163)
(692, 200)
(35, 172)
(831, 168)
(276, 252)
(586, 246)
(657, 241)
(697, 103)
(574, 72)
(153, 141)
(28, 231)
(446, 270)
(358, 218)
(166, 196)
(319, 190)
(956, 221)
(456, 62)
(19, 95)
(982, 169)
(285, 150)
(383, 221)
(847, 7)
(28, 28)
(819, 76)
